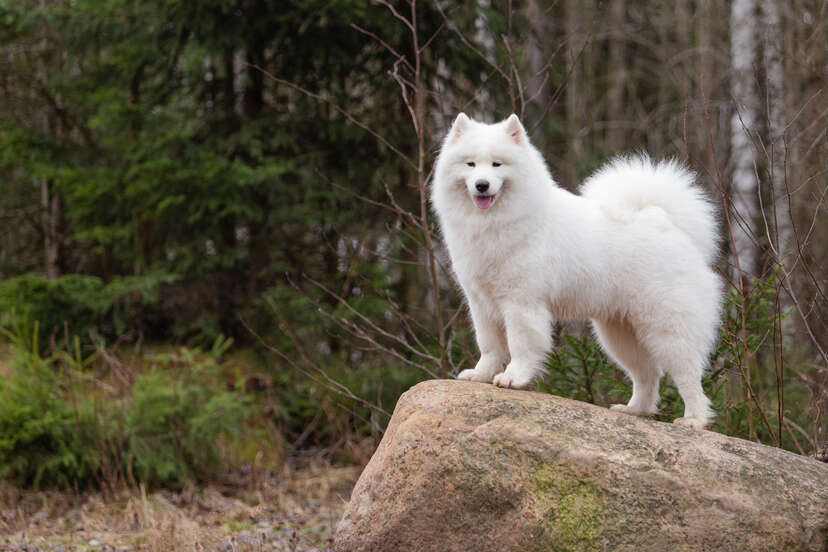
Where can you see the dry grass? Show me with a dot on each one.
(289, 510)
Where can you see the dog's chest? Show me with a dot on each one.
(496, 259)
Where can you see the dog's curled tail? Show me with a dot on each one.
(636, 182)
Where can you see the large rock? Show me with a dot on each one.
(471, 467)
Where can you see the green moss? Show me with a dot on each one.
(571, 510)
(237, 526)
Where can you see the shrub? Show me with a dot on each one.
(178, 412)
(62, 426)
(41, 437)
(85, 304)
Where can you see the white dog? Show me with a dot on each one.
(633, 253)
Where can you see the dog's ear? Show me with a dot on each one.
(515, 130)
(460, 125)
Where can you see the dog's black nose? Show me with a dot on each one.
(481, 185)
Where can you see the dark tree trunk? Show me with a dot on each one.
(52, 219)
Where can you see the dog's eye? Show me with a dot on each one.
(496, 163)
(470, 163)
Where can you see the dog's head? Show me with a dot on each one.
(483, 157)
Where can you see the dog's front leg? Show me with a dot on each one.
(528, 331)
(491, 339)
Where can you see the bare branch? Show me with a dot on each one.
(387, 46)
(339, 109)
(368, 322)
(405, 21)
(326, 381)
(450, 24)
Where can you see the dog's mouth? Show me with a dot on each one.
(483, 201)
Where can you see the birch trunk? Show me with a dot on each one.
(745, 186)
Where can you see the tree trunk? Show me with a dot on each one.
(704, 72)
(538, 87)
(576, 15)
(776, 125)
(683, 39)
(254, 91)
(52, 214)
(618, 77)
(745, 186)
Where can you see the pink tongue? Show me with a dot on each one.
(483, 202)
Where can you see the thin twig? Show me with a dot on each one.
(339, 109)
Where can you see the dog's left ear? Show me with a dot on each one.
(515, 130)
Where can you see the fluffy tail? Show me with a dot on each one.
(636, 182)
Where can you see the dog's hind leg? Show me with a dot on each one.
(683, 359)
(491, 339)
(618, 339)
(697, 412)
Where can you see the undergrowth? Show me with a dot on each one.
(85, 305)
(69, 419)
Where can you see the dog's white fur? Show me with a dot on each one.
(633, 253)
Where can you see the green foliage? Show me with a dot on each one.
(61, 425)
(189, 182)
(753, 385)
(172, 154)
(580, 370)
(41, 435)
(178, 412)
(750, 321)
(85, 304)
(305, 393)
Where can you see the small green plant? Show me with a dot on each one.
(580, 370)
(177, 413)
(750, 361)
(237, 526)
(64, 425)
(41, 422)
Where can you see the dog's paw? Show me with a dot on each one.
(513, 379)
(627, 409)
(690, 421)
(471, 374)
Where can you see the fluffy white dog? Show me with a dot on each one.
(633, 253)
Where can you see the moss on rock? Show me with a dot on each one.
(570, 509)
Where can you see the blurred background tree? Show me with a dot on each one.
(176, 171)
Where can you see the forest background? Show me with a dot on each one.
(215, 242)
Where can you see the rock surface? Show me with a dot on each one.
(471, 467)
